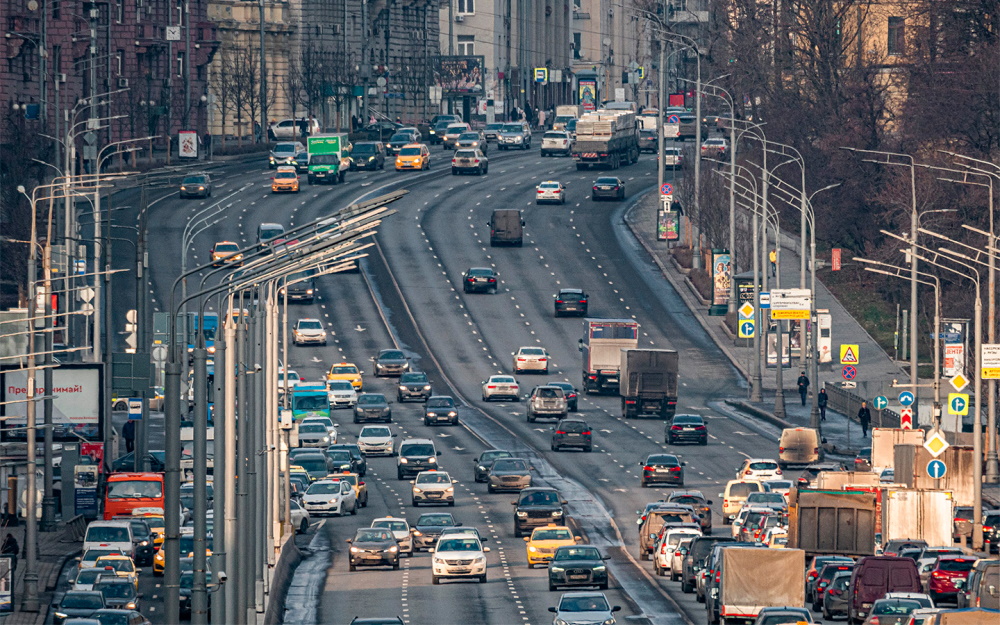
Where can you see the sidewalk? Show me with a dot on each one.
(54, 550)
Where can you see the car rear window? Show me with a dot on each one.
(574, 426)
(742, 489)
(554, 135)
(763, 466)
(465, 154)
(662, 459)
(956, 565)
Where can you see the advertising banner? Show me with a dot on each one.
(76, 409)
(187, 142)
(588, 95)
(459, 75)
(668, 225)
(721, 279)
(85, 490)
(6, 585)
(772, 350)
(954, 359)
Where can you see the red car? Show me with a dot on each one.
(947, 570)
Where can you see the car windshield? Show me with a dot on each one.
(443, 125)
(81, 601)
(441, 402)
(392, 355)
(283, 148)
(433, 478)
(339, 385)
(194, 180)
(493, 455)
(540, 498)
(552, 534)
(554, 135)
(458, 544)
(107, 534)
(310, 402)
(466, 154)
(662, 459)
(310, 325)
(396, 526)
(405, 137)
(89, 577)
(515, 128)
(766, 498)
(372, 535)
(286, 175)
(469, 136)
(312, 464)
(267, 234)
(509, 465)
(232, 247)
(312, 428)
(577, 553)
(324, 488)
(607, 181)
(375, 433)
(116, 591)
(363, 148)
(409, 152)
(436, 520)
(895, 607)
(591, 603)
(413, 378)
(339, 457)
(420, 449)
(371, 399)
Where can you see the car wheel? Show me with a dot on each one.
(517, 532)
(553, 448)
(489, 488)
(685, 587)
(659, 570)
(454, 172)
(704, 442)
(399, 475)
(351, 567)
(826, 614)
(364, 504)
(482, 578)
(669, 440)
(435, 580)
(413, 502)
(354, 508)
(643, 555)
(531, 418)
(303, 526)
(545, 371)
(552, 588)
(451, 503)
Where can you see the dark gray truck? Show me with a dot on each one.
(648, 382)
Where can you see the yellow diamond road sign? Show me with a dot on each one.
(848, 354)
(936, 444)
(746, 311)
(959, 382)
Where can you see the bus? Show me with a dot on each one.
(127, 491)
(310, 400)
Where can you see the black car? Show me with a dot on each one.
(578, 565)
(413, 385)
(126, 463)
(696, 500)
(480, 280)
(991, 529)
(397, 142)
(368, 155)
(302, 162)
(109, 616)
(391, 362)
(196, 185)
(428, 528)
(118, 592)
(373, 546)
(438, 130)
(686, 428)
(572, 396)
(341, 459)
(571, 302)
(537, 507)
(186, 588)
(143, 538)
(648, 141)
(78, 604)
(574, 433)
(663, 469)
(481, 465)
(608, 187)
(440, 409)
(372, 407)
(359, 464)
(380, 131)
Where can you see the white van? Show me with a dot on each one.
(799, 446)
(109, 535)
(735, 494)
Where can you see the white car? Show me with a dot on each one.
(556, 142)
(433, 487)
(760, 469)
(309, 332)
(779, 486)
(458, 556)
(288, 380)
(326, 422)
(531, 359)
(315, 435)
(330, 497)
(677, 561)
(376, 440)
(673, 158)
(550, 191)
(341, 394)
(300, 517)
(400, 531)
(501, 387)
(663, 551)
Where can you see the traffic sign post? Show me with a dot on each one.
(906, 398)
(747, 329)
(135, 409)
(937, 469)
(880, 402)
(667, 189)
(849, 354)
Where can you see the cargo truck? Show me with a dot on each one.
(884, 441)
(566, 113)
(918, 515)
(601, 346)
(606, 139)
(648, 382)
(833, 522)
(740, 593)
(327, 162)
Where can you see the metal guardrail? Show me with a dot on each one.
(847, 403)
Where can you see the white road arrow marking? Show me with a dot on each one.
(359, 328)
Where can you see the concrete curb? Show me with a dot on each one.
(281, 579)
(744, 406)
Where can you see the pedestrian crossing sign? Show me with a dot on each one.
(848, 354)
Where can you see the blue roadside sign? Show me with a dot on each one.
(906, 398)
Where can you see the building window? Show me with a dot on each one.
(577, 44)
(466, 45)
(465, 7)
(120, 61)
(896, 41)
(120, 12)
(180, 63)
(57, 59)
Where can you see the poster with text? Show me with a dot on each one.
(721, 280)
(76, 407)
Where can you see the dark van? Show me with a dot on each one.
(873, 577)
(506, 227)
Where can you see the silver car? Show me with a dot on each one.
(309, 331)
(584, 608)
(547, 401)
(315, 435)
(433, 487)
(508, 474)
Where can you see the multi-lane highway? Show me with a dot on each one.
(409, 295)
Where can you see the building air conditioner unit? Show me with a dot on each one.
(459, 18)
(336, 29)
(61, 77)
(123, 83)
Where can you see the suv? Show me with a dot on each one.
(515, 135)
(571, 302)
(572, 433)
(537, 507)
(301, 286)
(662, 515)
(547, 401)
(368, 155)
(415, 455)
(673, 158)
(556, 142)
(285, 153)
(413, 385)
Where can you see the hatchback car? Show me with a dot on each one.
(836, 596)
(480, 280)
(550, 191)
(196, 185)
(413, 385)
(572, 395)
(578, 565)
(226, 252)
(451, 134)
(508, 474)
(375, 440)
(469, 161)
(501, 387)
(481, 465)
(572, 433)
(413, 156)
(544, 541)
(662, 469)
(571, 302)
(608, 187)
(945, 572)
(429, 527)
(286, 179)
(759, 469)
(391, 362)
(309, 332)
(441, 409)
(372, 407)
(373, 547)
(330, 497)
(459, 556)
(577, 608)
(472, 140)
(368, 155)
(686, 428)
(531, 359)
(433, 487)
(557, 142)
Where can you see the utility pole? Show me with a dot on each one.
(30, 602)
(263, 75)
(366, 66)
(187, 64)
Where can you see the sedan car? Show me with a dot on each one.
(441, 409)
(578, 565)
(433, 487)
(225, 252)
(400, 531)
(481, 465)
(715, 147)
(118, 593)
(508, 474)
(472, 140)
(314, 435)
(480, 280)
(662, 468)
(686, 428)
(309, 331)
(469, 161)
(77, 604)
(891, 611)
(391, 362)
(550, 191)
(330, 497)
(413, 385)
(346, 371)
(574, 433)
(429, 527)
(572, 395)
(196, 185)
(413, 156)
(284, 153)
(531, 359)
(459, 556)
(608, 187)
(501, 387)
(372, 407)
(375, 440)
(373, 547)
(577, 608)
(397, 142)
(571, 302)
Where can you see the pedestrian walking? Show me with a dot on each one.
(803, 383)
(821, 399)
(10, 548)
(773, 257)
(864, 418)
(128, 433)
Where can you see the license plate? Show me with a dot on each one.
(689, 429)
(373, 556)
(577, 577)
(574, 434)
(461, 571)
(434, 495)
(603, 188)
(612, 379)
(662, 471)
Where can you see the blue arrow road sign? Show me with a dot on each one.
(957, 404)
(906, 398)
(880, 402)
(936, 468)
(746, 328)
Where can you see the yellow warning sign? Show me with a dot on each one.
(848, 354)
(991, 373)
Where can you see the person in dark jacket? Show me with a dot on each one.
(821, 400)
(803, 383)
(864, 418)
(128, 433)
(10, 548)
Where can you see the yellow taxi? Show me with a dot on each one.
(776, 538)
(90, 556)
(346, 371)
(155, 522)
(413, 156)
(226, 252)
(300, 471)
(186, 540)
(285, 179)
(121, 565)
(360, 488)
(544, 541)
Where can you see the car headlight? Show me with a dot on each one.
(600, 567)
(452, 414)
(354, 550)
(450, 489)
(610, 621)
(521, 514)
(560, 621)
(130, 606)
(432, 460)
(431, 414)
(402, 388)
(557, 513)
(403, 460)
(417, 533)
(61, 615)
(427, 387)
(532, 549)
(481, 560)
(417, 490)
(144, 543)
(326, 439)
(335, 499)
(393, 549)
(556, 569)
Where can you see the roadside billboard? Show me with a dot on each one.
(588, 94)
(76, 409)
(459, 75)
